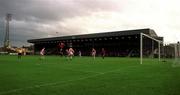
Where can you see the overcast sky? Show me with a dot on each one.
(48, 18)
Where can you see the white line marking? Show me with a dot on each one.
(81, 71)
(55, 83)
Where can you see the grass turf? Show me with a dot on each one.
(56, 75)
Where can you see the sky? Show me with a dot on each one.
(32, 19)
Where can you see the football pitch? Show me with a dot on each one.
(55, 75)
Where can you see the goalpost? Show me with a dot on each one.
(177, 50)
(153, 39)
(177, 55)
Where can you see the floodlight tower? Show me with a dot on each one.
(6, 40)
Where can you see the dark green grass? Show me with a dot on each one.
(56, 75)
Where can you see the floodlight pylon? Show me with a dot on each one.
(6, 40)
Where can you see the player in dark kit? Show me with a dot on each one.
(19, 53)
(103, 53)
(61, 46)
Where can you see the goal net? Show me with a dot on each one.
(150, 48)
(177, 55)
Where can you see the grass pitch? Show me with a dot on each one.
(56, 75)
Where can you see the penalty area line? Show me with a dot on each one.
(56, 83)
(47, 84)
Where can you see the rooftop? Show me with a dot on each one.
(147, 31)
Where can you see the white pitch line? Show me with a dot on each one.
(47, 84)
(81, 71)
(55, 83)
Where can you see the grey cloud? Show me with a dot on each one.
(33, 13)
(52, 10)
(28, 10)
